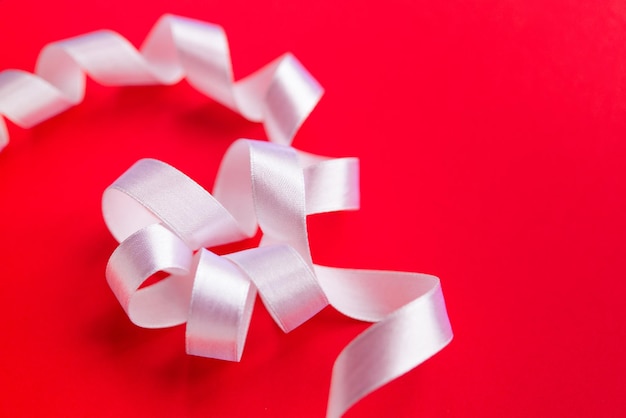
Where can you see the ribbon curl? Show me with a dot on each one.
(280, 95)
(165, 221)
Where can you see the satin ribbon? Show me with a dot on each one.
(165, 222)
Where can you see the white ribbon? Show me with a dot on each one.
(165, 221)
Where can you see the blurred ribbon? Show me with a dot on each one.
(165, 221)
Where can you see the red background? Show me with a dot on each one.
(492, 142)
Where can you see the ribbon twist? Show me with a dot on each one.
(164, 221)
(281, 94)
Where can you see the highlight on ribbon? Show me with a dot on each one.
(166, 222)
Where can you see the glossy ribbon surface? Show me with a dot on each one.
(165, 222)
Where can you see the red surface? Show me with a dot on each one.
(492, 137)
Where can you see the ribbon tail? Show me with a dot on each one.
(406, 334)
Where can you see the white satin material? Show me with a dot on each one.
(281, 95)
(166, 222)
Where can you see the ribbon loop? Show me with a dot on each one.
(135, 200)
(149, 251)
(202, 51)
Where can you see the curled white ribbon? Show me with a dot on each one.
(281, 94)
(165, 221)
